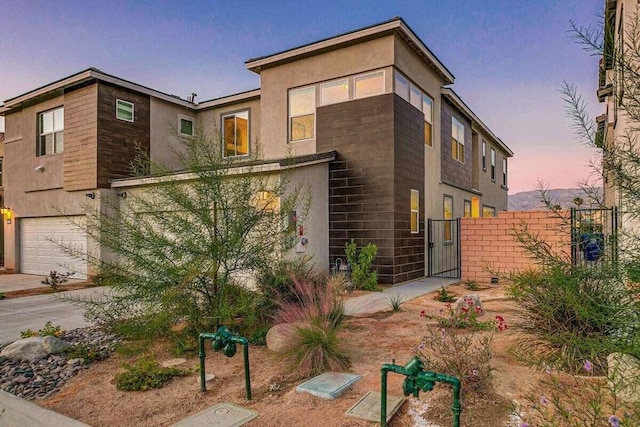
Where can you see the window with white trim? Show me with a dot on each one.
(235, 134)
(334, 91)
(50, 132)
(484, 155)
(447, 213)
(185, 125)
(427, 110)
(493, 165)
(457, 140)
(402, 86)
(504, 171)
(302, 113)
(369, 84)
(124, 110)
(415, 211)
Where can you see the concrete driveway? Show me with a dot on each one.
(19, 314)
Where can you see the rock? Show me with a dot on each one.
(173, 362)
(30, 349)
(21, 379)
(471, 302)
(281, 338)
(54, 345)
(73, 362)
(624, 377)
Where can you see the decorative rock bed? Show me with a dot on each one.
(42, 377)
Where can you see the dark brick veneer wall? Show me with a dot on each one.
(453, 171)
(379, 141)
(117, 138)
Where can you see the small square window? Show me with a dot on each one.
(124, 110)
(370, 84)
(185, 127)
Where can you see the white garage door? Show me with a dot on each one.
(40, 250)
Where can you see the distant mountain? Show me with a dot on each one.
(532, 200)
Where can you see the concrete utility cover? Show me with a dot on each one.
(368, 407)
(329, 385)
(220, 415)
(207, 378)
(173, 362)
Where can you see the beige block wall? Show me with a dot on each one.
(276, 81)
(489, 247)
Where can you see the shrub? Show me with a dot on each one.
(311, 302)
(339, 283)
(47, 329)
(466, 317)
(146, 374)
(444, 295)
(574, 314)
(569, 400)
(318, 351)
(466, 356)
(86, 352)
(276, 283)
(2, 295)
(55, 279)
(395, 301)
(360, 263)
(471, 285)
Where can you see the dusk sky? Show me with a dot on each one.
(509, 57)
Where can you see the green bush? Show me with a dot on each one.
(2, 295)
(471, 285)
(576, 313)
(146, 374)
(360, 262)
(318, 351)
(444, 295)
(47, 329)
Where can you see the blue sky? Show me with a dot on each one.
(509, 57)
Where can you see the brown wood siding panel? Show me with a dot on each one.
(409, 174)
(454, 171)
(117, 139)
(80, 138)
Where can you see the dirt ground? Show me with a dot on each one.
(92, 398)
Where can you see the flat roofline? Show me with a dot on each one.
(229, 99)
(85, 76)
(396, 24)
(459, 103)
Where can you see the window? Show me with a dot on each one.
(50, 132)
(369, 84)
(488, 211)
(504, 171)
(415, 97)
(493, 165)
(467, 208)
(302, 113)
(415, 211)
(334, 91)
(447, 213)
(484, 155)
(124, 110)
(185, 126)
(402, 86)
(266, 201)
(457, 140)
(235, 134)
(427, 109)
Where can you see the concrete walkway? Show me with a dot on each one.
(380, 301)
(18, 282)
(15, 411)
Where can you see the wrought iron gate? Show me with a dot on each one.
(594, 235)
(443, 247)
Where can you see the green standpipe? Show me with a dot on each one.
(223, 340)
(417, 379)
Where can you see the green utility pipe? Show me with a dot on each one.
(419, 380)
(224, 337)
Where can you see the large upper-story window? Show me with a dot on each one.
(457, 140)
(235, 134)
(493, 165)
(427, 109)
(302, 113)
(334, 91)
(50, 132)
(369, 84)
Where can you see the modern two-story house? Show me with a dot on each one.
(368, 119)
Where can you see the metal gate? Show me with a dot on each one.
(443, 247)
(594, 235)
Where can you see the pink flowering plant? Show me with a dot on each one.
(581, 401)
(465, 316)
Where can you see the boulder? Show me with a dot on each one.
(30, 349)
(471, 302)
(624, 377)
(282, 338)
(54, 345)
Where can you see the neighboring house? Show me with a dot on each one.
(2, 211)
(368, 117)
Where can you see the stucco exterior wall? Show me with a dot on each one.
(493, 192)
(164, 127)
(490, 249)
(276, 81)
